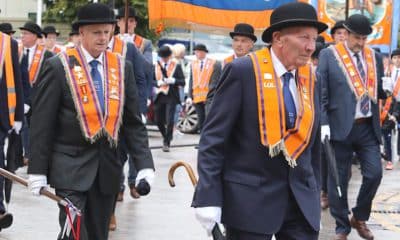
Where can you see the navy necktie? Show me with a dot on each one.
(201, 65)
(290, 107)
(25, 59)
(98, 84)
(364, 102)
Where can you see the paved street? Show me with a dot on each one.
(166, 214)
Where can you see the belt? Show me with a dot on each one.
(363, 120)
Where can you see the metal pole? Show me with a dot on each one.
(347, 10)
(39, 12)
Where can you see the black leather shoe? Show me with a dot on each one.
(6, 220)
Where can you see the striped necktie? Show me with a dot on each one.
(364, 102)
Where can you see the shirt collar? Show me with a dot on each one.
(111, 43)
(31, 49)
(89, 57)
(278, 66)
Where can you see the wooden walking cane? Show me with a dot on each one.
(63, 202)
(216, 231)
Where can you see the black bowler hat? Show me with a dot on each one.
(290, 15)
(358, 24)
(6, 28)
(200, 47)
(338, 25)
(74, 31)
(244, 29)
(131, 10)
(50, 30)
(395, 52)
(164, 52)
(94, 13)
(33, 28)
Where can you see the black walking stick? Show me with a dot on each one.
(216, 231)
(330, 156)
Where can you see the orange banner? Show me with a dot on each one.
(378, 11)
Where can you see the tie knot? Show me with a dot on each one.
(286, 77)
(357, 56)
(94, 63)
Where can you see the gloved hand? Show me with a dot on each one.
(208, 217)
(36, 182)
(17, 126)
(189, 101)
(144, 119)
(325, 131)
(170, 80)
(26, 108)
(147, 174)
(161, 83)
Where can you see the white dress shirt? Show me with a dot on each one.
(31, 54)
(280, 70)
(358, 108)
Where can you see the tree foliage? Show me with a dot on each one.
(64, 11)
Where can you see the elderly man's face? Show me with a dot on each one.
(294, 45)
(95, 38)
(356, 42)
(28, 39)
(242, 45)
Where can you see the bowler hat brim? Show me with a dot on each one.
(39, 34)
(267, 34)
(363, 32)
(9, 32)
(249, 35)
(80, 23)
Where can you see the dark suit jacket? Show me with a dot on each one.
(235, 169)
(28, 89)
(212, 85)
(133, 55)
(173, 93)
(58, 148)
(338, 101)
(19, 110)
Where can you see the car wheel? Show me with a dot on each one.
(188, 120)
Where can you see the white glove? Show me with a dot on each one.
(144, 119)
(325, 131)
(208, 217)
(26, 108)
(170, 80)
(36, 182)
(147, 174)
(17, 126)
(189, 101)
(387, 84)
(148, 102)
(161, 83)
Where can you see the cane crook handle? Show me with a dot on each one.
(188, 168)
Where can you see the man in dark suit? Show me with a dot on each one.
(259, 153)
(243, 40)
(350, 74)
(168, 76)
(203, 70)
(78, 156)
(144, 45)
(33, 57)
(11, 107)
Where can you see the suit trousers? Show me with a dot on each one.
(363, 141)
(164, 115)
(201, 114)
(96, 209)
(294, 227)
